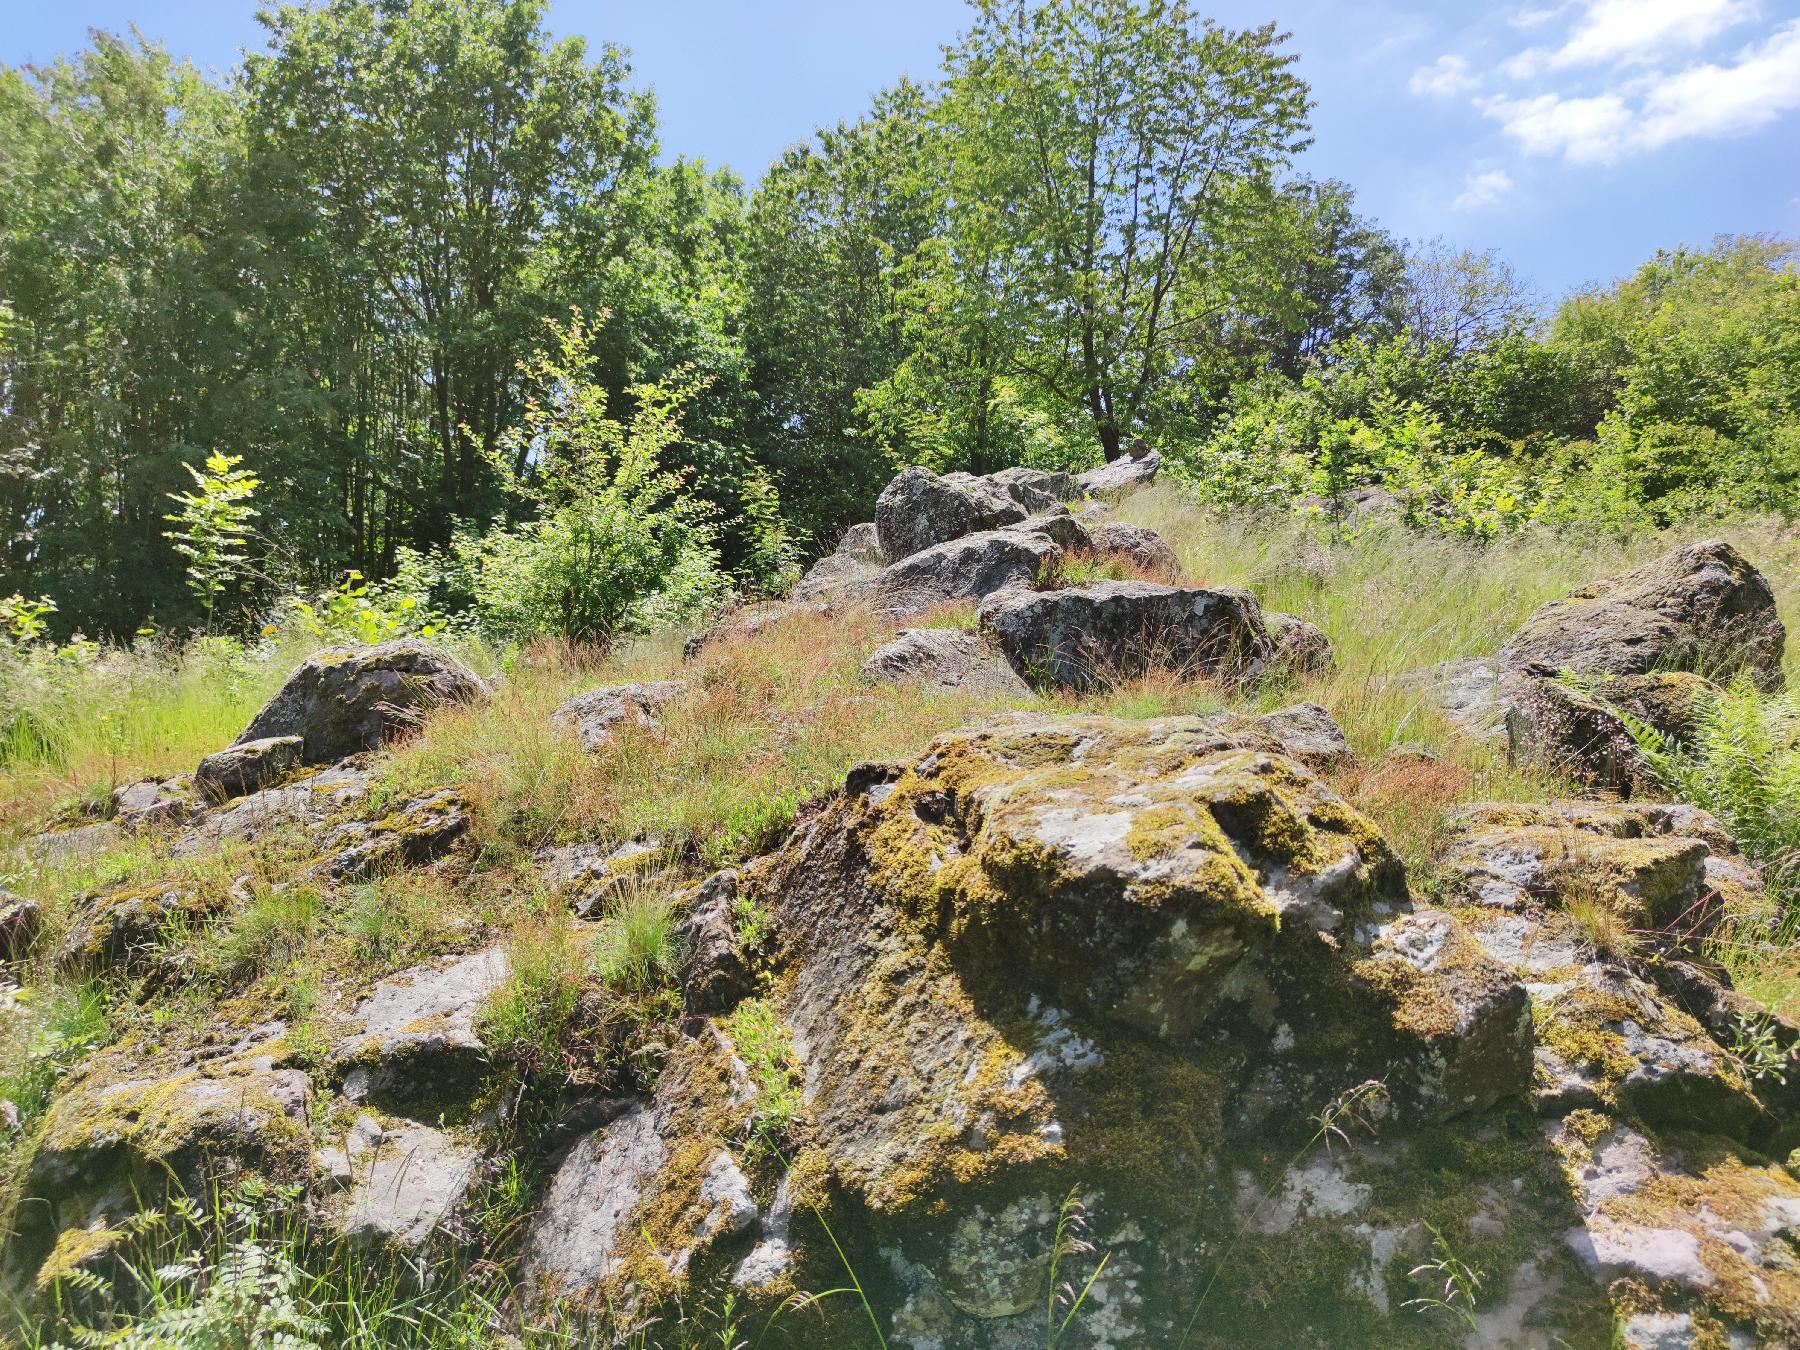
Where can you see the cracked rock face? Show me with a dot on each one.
(943, 658)
(348, 699)
(404, 1181)
(1124, 474)
(966, 568)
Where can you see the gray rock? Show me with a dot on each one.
(1300, 646)
(1357, 506)
(836, 578)
(418, 832)
(714, 972)
(1466, 691)
(1129, 471)
(593, 1214)
(413, 1039)
(596, 716)
(1144, 549)
(1110, 630)
(587, 876)
(151, 802)
(1304, 731)
(861, 543)
(943, 658)
(965, 569)
(20, 922)
(61, 848)
(921, 509)
(246, 767)
(347, 699)
(405, 1180)
(312, 801)
(1702, 606)
(1032, 485)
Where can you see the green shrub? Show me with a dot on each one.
(616, 542)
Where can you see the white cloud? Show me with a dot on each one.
(1532, 18)
(1480, 190)
(1627, 31)
(1443, 77)
(1705, 101)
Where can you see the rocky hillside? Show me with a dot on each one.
(1112, 995)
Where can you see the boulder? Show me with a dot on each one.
(861, 543)
(920, 509)
(588, 876)
(248, 766)
(1700, 607)
(965, 569)
(1145, 550)
(347, 699)
(413, 1040)
(1356, 506)
(748, 622)
(1134, 469)
(835, 578)
(596, 716)
(1300, 647)
(1030, 486)
(1026, 946)
(311, 801)
(125, 929)
(403, 1181)
(1111, 630)
(139, 1120)
(943, 658)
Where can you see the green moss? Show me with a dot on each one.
(75, 1250)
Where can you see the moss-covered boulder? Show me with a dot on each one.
(249, 766)
(347, 699)
(1699, 607)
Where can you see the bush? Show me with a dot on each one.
(617, 543)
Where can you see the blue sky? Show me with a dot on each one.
(1575, 137)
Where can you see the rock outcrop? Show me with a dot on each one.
(1145, 550)
(943, 658)
(347, 699)
(595, 717)
(965, 569)
(921, 509)
(1702, 607)
(1134, 469)
(1110, 630)
(247, 766)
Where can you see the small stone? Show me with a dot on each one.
(248, 766)
(597, 716)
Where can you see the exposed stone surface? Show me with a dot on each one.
(1109, 630)
(714, 971)
(346, 699)
(59, 848)
(964, 569)
(413, 1039)
(404, 1180)
(123, 928)
(596, 716)
(20, 922)
(417, 832)
(310, 801)
(152, 801)
(1300, 646)
(837, 577)
(748, 622)
(1144, 549)
(247, 766)
(589, 875)
(920, 509)
(659, 1187)
(861, 542)
(1135, 469)
(1702, 606)
(944, 658)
